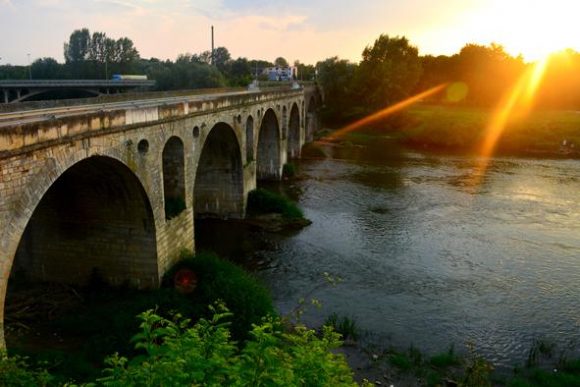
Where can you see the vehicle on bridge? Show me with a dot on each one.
(129, 77)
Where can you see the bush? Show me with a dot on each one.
(173, 207)
(176, 354)
(289, 170)
(261, 201)
(218, 279)
(15, 372)
(347, 327)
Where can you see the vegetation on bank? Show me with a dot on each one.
(105, 321)
(175, 352)
(262, 201)
(463, 128)
(185, 335)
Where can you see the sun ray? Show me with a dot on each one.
(516, 104)
(383, 113)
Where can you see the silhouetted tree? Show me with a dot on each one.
(78, 46)
(47, 68)
(388, 72)
(305, 72)
(337, 78)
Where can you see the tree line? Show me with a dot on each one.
(391, 70)
(96, 56)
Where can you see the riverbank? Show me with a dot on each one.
(462, 130)
(542, 133)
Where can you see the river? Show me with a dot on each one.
(429, 256)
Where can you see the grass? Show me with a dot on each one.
(261, 201)
(463, 128)
(346, 326)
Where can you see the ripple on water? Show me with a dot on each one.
(424, 261)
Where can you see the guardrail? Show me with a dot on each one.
(25, 83)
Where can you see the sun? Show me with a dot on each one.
(532, 28)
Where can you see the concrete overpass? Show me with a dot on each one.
(21, 90)
(117, 186)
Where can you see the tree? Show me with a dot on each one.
(388, 72)
(77, 48)
(337, 78)
(488, 72)
(305, 72)
(221, 56)
(239, 72)
(47, 68)
(281, 62)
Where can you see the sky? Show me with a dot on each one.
(304, 30)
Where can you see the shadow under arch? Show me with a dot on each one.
(294, 133)
(173, 158)
(219, 186)
(95, 217)
(269, 161)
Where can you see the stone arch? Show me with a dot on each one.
(95, 216)
(311, 119)
(250, 139)
(173, 177)
(269, 165)
(294, 133)
(219, 189)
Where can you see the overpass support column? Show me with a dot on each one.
(5, 93)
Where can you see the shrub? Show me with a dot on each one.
(261, 201)
(222, 280)
(173, 207)
(446, 359)
(176, 354)
(15, 372)
(347, 327)
(289, 170)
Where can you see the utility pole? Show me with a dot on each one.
(212, 48)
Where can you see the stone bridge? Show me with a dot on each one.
(117, 187)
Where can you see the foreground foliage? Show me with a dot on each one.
(204, 354)
(173, 352)
(93, 332)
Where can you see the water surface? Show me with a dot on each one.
(428, 259)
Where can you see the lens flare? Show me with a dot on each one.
(384, 112)
(515, 105)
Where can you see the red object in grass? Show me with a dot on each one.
(185, 281)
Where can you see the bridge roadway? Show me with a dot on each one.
(37, 115)
(20, 90)
(115, 187)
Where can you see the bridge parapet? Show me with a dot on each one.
(22, 131)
